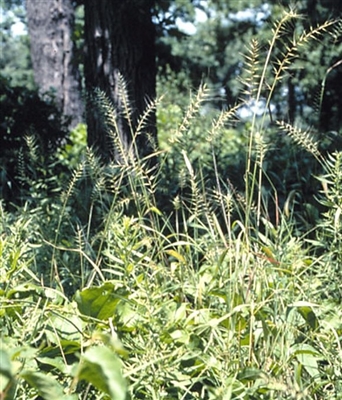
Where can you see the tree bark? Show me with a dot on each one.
(120, 40)
(50, 26)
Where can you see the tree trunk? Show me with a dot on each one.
(50, 26)
(120, 40)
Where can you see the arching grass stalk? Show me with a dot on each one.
(78, 172)
(251, 175)
(335, 65)
(280, 66)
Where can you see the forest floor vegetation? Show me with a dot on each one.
(214, 275)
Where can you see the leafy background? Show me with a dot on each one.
(217, 275)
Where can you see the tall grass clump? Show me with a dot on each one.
(146, 285)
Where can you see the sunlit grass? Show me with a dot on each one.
(208, 295)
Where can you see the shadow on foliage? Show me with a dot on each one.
(31, 130)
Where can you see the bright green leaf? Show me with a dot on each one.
(101, 367)
(129, 316)
(97, 302)
(56, 362)
(7, 381)
(180, 336)
(181, 312)
(305, 309)
(309, 316)
(250, 374)
(308, 357)
(46, 386)
(5, 364)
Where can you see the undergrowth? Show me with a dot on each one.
(136, 283)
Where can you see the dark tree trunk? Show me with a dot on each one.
(120, 40)
(50, 26)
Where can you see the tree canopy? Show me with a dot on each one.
(194, 42)
(213, 51)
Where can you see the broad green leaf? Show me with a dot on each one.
(250, 374)
(5, 364)
(245, 340)
(8, 388)
(305, 309)
(97, 302)
(56, 362)
(24, 353)
(180, 336)
(181, 312)
(47, 387)
(67, 346)
(7, 381)
(23, 291)
(309, 316)
(101, 367)
(129, 316)
(64, 328)
(308, 357)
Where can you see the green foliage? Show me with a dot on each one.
(71, 153)
(214, 53)
(204, 134)
(172, 281)
(47, 346)
(15, 60)
(328, 241)
(103, 370)
(30, 132)
(331, 223)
